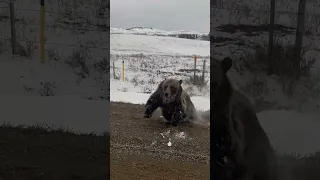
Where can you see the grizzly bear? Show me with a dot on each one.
(243, 148)
(174, 102)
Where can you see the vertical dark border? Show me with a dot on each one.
(214, 150)
(212, 139)
(109, 132)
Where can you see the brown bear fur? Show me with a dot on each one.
(174, 102)
(241, 138)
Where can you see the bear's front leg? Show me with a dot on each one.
(149, 110)
(153, 103)
(177, 117)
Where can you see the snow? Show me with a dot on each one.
(292, 132)
(151, 31)
(244, 28)
(68, 108)
(135, 44)
(78, 115)
(200, 103)
(289, 131)
(150, 59)
(291, 122)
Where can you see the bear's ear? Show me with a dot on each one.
(226, 64)
(180, 81)
(160, 84)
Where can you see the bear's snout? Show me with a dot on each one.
(168, 97)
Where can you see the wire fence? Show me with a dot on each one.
(316, 37)
(311, 14)
(262, 10)
(83, 27)
(50, 12)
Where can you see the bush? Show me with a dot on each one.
(198, 80)
(102, 65)
(80, 58)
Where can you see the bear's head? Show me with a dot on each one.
(171, 90)
(220, 87)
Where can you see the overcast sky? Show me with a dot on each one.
(192, 15)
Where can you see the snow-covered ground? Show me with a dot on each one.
(291, 122)
(201, 103)
(77, 90)
(158, 32)
(289, 131)
(72, 113)
(72, 87)
(241, 25)
(151, 31)
(157, 45)
(150, 59)
(33, 93)
(292, 132)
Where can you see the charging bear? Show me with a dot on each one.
(174, 102)
(237, 131)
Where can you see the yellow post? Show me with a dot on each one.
(42, 26)
(122, 71)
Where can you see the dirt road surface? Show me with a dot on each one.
(36, 154)
(140, 150)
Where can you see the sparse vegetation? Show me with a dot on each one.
(256, 60)
(53, 56)
(197, 80)
(102, 65)
(47, 88)
(81, 58)
(146, 71)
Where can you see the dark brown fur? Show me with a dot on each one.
(174, 102)
(242, 139)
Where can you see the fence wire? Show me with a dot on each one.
(58, 25)
(217, 8)
(263, 10)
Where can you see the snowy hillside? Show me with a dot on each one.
(157, 45)
(151, 31)
(157, 32)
